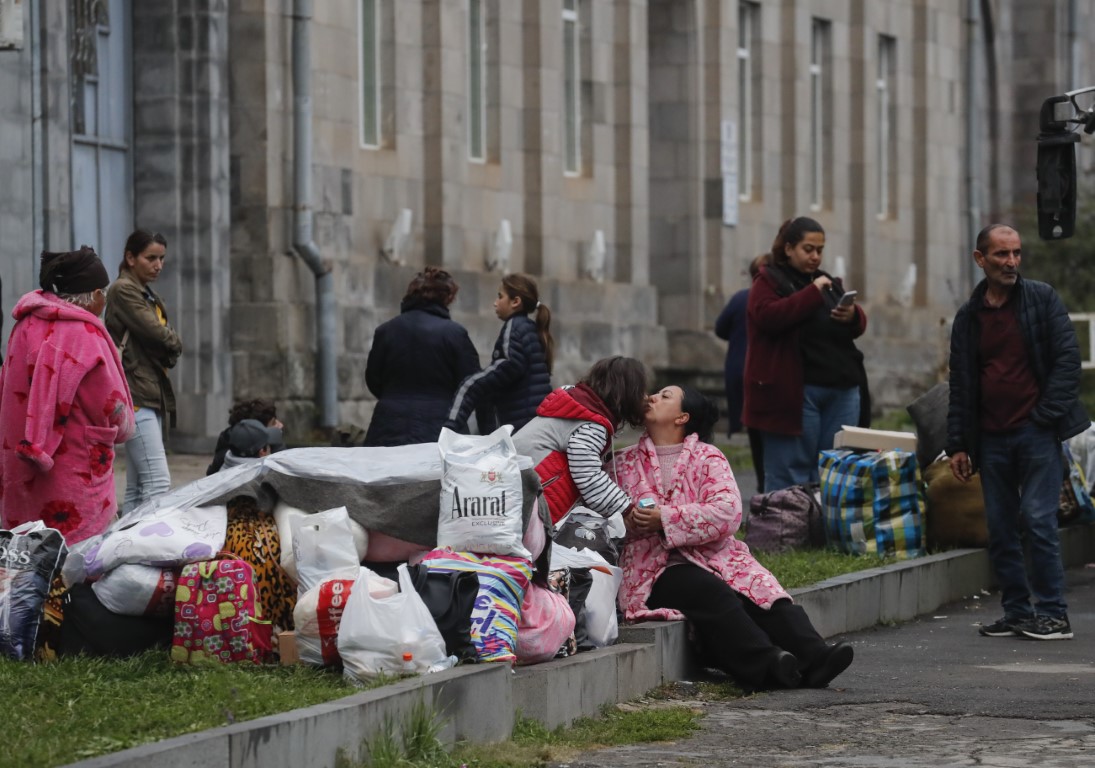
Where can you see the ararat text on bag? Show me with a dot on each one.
(478, 506)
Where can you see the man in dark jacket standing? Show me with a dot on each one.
(1014, 396)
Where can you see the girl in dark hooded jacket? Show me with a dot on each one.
(519, 375)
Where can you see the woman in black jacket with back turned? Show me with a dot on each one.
(417, 361)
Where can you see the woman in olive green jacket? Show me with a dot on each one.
(137, 321)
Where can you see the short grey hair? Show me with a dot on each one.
(985, 235)
(82, 300)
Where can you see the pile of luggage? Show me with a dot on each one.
(893, 493)
(377, 560)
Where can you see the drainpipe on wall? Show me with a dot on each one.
(1074, 43)
(303, 244)
(37, 162)
(973, 133)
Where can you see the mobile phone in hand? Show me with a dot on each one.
(848, 299)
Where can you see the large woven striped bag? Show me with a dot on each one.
(873, 502)
(503, 580)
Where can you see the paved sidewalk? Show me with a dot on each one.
(185, 468)
(930, 692)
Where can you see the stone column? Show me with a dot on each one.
(181, 188)
(675, 162)
(444, 67)
(632, 163)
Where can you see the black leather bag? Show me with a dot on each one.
(451, 600)
(581, 580)
(90, 628)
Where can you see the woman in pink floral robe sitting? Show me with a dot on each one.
(681, 559)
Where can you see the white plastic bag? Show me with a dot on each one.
(602, 626)
(286, 515)
(318, 615)
(137, 590)
(481, 494)
(323, 546)
(375, 633)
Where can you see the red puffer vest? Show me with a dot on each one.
(578, 403)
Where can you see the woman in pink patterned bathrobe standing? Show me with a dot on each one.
(681, 559)
(64, 403)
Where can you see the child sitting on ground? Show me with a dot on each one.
(249, 440)
(263, 411)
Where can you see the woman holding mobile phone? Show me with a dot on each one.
(803, 372)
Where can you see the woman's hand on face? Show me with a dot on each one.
(823, 283)
(843, 314)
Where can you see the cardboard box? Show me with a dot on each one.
(287, 648)
(859, 438)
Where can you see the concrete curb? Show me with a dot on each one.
(479, 703)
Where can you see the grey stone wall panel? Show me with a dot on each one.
(657, 88)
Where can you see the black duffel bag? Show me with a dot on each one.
(88, 627)
(451, 600)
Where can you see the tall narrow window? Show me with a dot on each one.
(572, 93)
(886, 124)
(819, 112)
(370, 73)
(748, 14)
(477, 81)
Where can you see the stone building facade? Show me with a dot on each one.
(633, 155)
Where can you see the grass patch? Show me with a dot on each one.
(415, 743)
(77, 708)
(739, 456)
(800, 568)
(533, 745)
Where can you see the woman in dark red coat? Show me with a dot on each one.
(803, 372)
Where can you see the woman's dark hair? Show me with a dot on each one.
(621, 383)
(432, 285)
(702, 413)
(137, 241)
(257, 409)
(791, 233)
(524, 288)
(73, 274)
(757, 263)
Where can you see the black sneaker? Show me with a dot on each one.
(1005, 627)
(1049, 628)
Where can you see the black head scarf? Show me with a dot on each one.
(72, 272)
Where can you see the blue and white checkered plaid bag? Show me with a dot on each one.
(873, 503)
